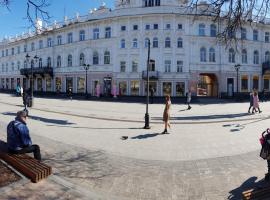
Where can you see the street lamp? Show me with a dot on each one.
(86, 68)
(237, 67)
(146, 117)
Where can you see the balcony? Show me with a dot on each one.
(37, 71)
(153, 75)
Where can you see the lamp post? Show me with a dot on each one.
(237, 67)
(146, 117)
(86, 68)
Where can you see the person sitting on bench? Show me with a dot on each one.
(18, 138)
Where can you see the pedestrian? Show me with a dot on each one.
(21, 90)
(256, 102)
(152, 93)
(250, 101)
(18, 137)
(18, 90)
(70, 93)
(25, 101)
(166, 115)
(188, 96)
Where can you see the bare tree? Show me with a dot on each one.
(231, 14)
(34, 9)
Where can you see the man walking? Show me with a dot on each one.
(152, 93)
(188, 95)
(250, 101)
(18, 138)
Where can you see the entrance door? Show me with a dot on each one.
(107, 86)
(69, 84)
(207, 85)
(230, 86)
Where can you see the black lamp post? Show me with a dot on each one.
(30, 102)
(146, 117)
(237, 67)
(86, 67)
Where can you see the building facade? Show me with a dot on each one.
(185, 54)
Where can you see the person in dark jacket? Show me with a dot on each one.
(18, 137)
(250, 101)
(152, 93)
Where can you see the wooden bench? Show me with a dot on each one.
(26, 165)
(257, 194)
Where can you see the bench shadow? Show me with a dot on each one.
(145, 136)
(43, 119)
(3, 146)
(250, 183)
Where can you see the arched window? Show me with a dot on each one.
(244, 56)
(25, 64)
(168, 42)
(58, 63)
(180, 43)
(82, 60)
(267, 56)
(155, 42)
(146, 41)
(201, 29)
(123, 44)
(40, 62)
(107, 57)
(203, 54)
(212, 55)
(231, 55)
(32, 63)
(256, 57)
(95, 58)
(49, 62)
(135, 43)
(18, 65)
(213, 30)
(69, 60)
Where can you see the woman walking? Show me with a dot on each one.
(166, 114)
(256, 102)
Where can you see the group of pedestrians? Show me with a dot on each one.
(254, 102)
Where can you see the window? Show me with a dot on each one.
(69, 60)
(180, 26)
(123, 28)
(231, 34)
(244, 84)
(134, 88)
(108, 32)
(58, 63)
(146, 42)
(155, 42)
(256, 57)
(266, 37)
(231, 55)
(179, 43)
(123, 44)
(180, 88)
(167, 88)
(82, 35)
(40, 44)
(135, 43)
(167, 42)
(267, 56)
(25, 64)
(135, 27)
(157, 2)
(12, 66)
(6, 52)
(155, 26)
(255, 35)
(122, 66)
(18, 50)
(168, 26)
(212, 55)
(179, 66)
(40, 62)
(12, 51)
(134, 66)
(18, 65)
(3, 53)
(59, 40)
(95, 58)
(147, 27)
(24, 48)
(244, 56)
(82, 60)
(49, 62)
(213, 30)
(32, 46)
(96, 34)
(167, 66)
(201, 30)
(70, 38)
(32, 64)
(203, 54)
(243, 33)
(49, 42)
(107, 57)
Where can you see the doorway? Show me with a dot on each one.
(230, 87)
(207, 85)
(69, 84)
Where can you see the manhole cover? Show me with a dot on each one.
(7, 175)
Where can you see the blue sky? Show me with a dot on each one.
(13, 22)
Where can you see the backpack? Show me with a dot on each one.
(265, 142)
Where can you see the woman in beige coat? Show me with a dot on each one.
(166, 114)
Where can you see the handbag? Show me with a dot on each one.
(265, 142)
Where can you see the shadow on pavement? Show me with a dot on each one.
(250, 183)
(145, 136)
(42, 119)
